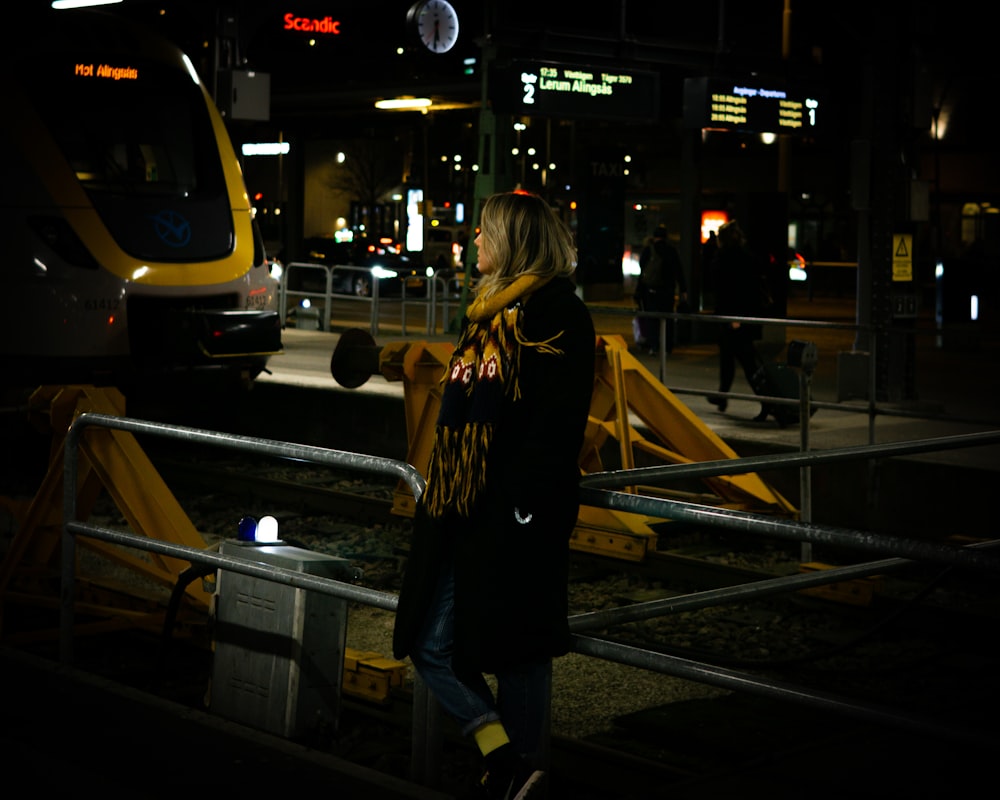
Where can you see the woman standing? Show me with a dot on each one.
(485, 589)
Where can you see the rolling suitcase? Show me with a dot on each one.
(774, 379)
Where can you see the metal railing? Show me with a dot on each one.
(598, 490)
(805, 403)
(871, 407)
(319, 455)
(436, 302)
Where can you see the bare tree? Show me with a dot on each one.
(371, 168)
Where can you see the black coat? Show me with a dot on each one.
(740, 289)
(673, 279)
(511, 577)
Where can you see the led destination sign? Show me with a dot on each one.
(105, 71)
(752, 106)
(567, 90)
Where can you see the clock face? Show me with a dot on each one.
(437, 25)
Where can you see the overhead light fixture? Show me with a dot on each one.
(265, 148)
(62, 4)
(403, 103)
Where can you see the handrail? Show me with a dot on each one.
(327, 294)
(871, 407)
(430, 302)
(425, 717)
(301, 452)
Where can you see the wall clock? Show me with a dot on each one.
(436, 24)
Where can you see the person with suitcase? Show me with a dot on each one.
(661, 276)
(739, 292)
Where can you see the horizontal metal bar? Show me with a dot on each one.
(758, 524)
(606, 618)
(721, 677)
(613, 479)
(256, 569)
(302, 452)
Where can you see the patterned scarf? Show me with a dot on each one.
(483, 371)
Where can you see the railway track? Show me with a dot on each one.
(324, 508)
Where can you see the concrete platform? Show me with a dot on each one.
(956, 396)
(955, 392)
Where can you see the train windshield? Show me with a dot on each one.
(137, 134)
(131, 128)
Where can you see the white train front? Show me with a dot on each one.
(130, 246)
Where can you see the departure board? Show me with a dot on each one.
(566, 90)
(752, 105)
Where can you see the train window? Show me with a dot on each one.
(147, 135)
(143, 147)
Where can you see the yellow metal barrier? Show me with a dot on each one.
(624, 390)
(110, 461)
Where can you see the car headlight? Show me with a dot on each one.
(382, 272)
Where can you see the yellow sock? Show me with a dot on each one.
(490, 736)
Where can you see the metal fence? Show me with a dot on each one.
(599, 489)
(435, 303)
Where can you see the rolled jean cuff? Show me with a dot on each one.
(478, 722)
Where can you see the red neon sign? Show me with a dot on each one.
(325, 25)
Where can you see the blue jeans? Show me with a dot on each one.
(522, 691)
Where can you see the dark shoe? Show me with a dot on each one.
(533, 787)
(507, 775)
(762, 416)
(721, 402)
(519, 786)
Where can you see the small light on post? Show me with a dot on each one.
(403, 104)
(267, 530)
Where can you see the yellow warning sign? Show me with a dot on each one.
(902, 257)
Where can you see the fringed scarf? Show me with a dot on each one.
(483, 371)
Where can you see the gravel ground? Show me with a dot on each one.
(588, 693)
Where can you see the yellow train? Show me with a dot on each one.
(130, 247)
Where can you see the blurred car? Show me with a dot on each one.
(443, 247)
(796, 266)
(356, 267)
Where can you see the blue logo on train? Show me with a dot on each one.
(172, 228)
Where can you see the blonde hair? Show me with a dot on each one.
(524, 236)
